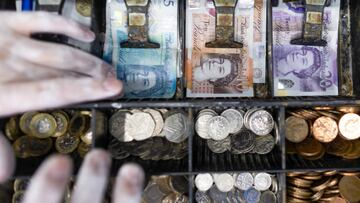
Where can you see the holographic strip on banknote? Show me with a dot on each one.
(146, 72)
(304, 70)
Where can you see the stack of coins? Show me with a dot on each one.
(236, 131)
(328, 186)
(156, 148)
(312, 133)
(166, 189)
(243, 187)
(21, 184)
(139, 125)
(34, 133)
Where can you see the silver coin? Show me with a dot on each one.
(202, 197)
(277, 134)
(268, 197)
(159, 121)
(176, 128)
(216, 195)
(141, 126)
(204, 182)
(224, 182)
(244, 181)
(219, 146)
(208, 111)
(242, 142)
(264, 144)
(202, 125)
(247, 115)
(235, 118)
(218, 128)
(261, 122)
(163, 111)
(235, 196)
(274, 185)
(252, 195)
(152, 194)
(118, 125)
(262, 181)
(132, 111)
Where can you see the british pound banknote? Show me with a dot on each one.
(218, 72)
(146, 72)
(304, 70)
(259, 41)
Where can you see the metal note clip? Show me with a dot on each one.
(224, 30)
(138, 25)
(313, 24)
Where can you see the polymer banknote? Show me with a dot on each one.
(218, 72)
(146, 72)
(304, 70)
(259, 41)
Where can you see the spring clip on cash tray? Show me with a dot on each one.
(224, 30)
(138, 25)
(313, 27)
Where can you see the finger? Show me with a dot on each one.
(91, 183)
(21, 97)
(59, 56)
(50, 180)
(36, 22)
(7, 159)
(129, 184)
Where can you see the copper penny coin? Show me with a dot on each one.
(349, 126)
(309, 147)
(296, 129)
(325, 129)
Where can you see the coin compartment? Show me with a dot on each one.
(172, 166)
(296, 162)
(27, 166)
(206, 160)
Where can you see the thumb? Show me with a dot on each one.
(7, 159)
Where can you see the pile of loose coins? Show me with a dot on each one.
(166, 189)
(156, 148)
(139, 125)
(236, 131)
(20, 185)
(328, 186)
(242, 187)
(35, 133)
(312, 133)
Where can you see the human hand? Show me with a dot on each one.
(36, 75)
(51, 179)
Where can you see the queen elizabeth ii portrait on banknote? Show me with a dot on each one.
(217, 69)
(144, 81)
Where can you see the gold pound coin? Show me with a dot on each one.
(67, 143)
(12, 130)
(43, 125)
(21, 147)
(350, 188)
(62, 123)
(25, 120)
(83, 7)
(40, 147)
(83, 149)
(20, 184)
(80, 123)
(87, 137)
(18, 197)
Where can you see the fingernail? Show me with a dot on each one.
(59, 170)
(99, 161)
(113, 85)
(89, 35)
(133, 177)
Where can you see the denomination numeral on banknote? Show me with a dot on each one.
(138, 29)
(224, 26)
(313, 27)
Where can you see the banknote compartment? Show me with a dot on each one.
(333, 157)
(152, 165)
(205, 160)
(27, 166)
